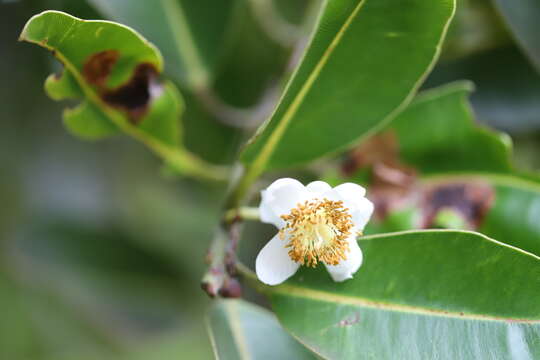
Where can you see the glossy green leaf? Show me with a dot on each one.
(522, 18)
(114, 70)
(420, 295)
(362, 64)
(240, 330)
(191, 34)
(437, 133)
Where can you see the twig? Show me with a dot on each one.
(220, 278)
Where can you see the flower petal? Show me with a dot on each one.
(350, 191)
(273, 264)
(318, 187)
(346, 268)
(353, 198)
(362, 213)
(279, 198)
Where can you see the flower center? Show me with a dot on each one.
(317, 231)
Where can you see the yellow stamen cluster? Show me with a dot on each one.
(317, 231)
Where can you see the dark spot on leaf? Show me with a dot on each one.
(470, 200)
(135, 96)
(98, 67)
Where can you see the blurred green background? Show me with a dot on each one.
(101, 252)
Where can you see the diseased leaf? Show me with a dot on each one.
(522, 18)
(114, 70)
(445, 142)
(240, 330)
(191, 34)
(458, 165)
(88, 122)
(420, 295)
(346, 86)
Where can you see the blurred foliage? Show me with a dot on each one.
(100, 258)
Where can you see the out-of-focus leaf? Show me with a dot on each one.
(476, 27)
(463, 166)
(509, 101)
(514, 216)
(437, 133)
(251, 63)
(240, 330)
(25, 329)
(116, 70)
(123, 289)
(522, 18)
(206, 135)
(191, 34)
(420, 295)
(345, 85)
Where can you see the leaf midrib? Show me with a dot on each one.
(307, 293)
(270, 145)
(317, 295)
(231, 311)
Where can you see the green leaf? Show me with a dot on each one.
(437, 133)
(115, 70)
(362, 64)
(240, 330)
(191, 34)
(522, 18)
(420, 295)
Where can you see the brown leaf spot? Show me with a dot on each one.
(471, 200)
(97, 68)
(135, 96)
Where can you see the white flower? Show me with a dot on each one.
(316, 223)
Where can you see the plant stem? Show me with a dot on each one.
(220, 279)
(242, 213)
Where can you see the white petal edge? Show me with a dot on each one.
(352, 194)
(273, 264)
(346, 268)
(350, 190)
(362, 213)
(279, 198)
(318, 187)
(360, 208)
